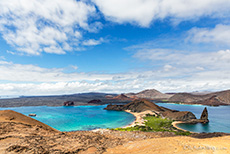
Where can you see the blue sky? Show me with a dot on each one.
(67, 46)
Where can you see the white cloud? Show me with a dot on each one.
(217, 35)
(74, 67)
(93, 42)
(168, 67)
(143, 12)
(195, 70)
(11, 72)
(184, 59)
(48, 26)
(176, 75)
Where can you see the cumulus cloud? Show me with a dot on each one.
(93, 42)
(143, 12)
(176, 75)
(33, 27)
(217, 35)
(196, 70)
(12, 72)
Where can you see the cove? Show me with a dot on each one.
(73, 118)
(219, 117)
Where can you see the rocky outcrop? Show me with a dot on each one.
(95, 101)
(204, 116)
(68, 103)
(144, 105)
(179, 116)
(115, 107)
(135, 106)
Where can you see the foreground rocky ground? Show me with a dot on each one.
(24, 138)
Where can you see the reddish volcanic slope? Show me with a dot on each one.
(149, 94)
(216, 98)
(122, 97)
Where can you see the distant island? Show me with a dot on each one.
(94, 98)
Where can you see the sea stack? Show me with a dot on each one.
(204, 116)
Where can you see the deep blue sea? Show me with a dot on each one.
(219, 117)
(74, 118)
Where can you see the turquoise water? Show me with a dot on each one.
(77, 117)
(219, 117)
(92, 117)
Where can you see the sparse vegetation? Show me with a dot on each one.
(155, 124)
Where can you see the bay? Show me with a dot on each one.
(219, 117)
(73, 118)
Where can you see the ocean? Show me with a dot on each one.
(74, 118)
(219, 117)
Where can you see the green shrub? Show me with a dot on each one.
(155, 124)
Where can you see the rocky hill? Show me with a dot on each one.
(144, 105)
(187, 97)
(122, 97)
(15, 117)
(223, 96)
(214, 99)
(149, 94)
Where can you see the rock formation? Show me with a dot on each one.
(204, 116)
(95, 101)
(185, 116)
(143, 105)
(68, 103)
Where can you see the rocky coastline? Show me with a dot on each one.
(22, 134)
(142, 105)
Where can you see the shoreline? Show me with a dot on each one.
(181, 103)
(138, 118)
(140, 121)
(174, 124)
